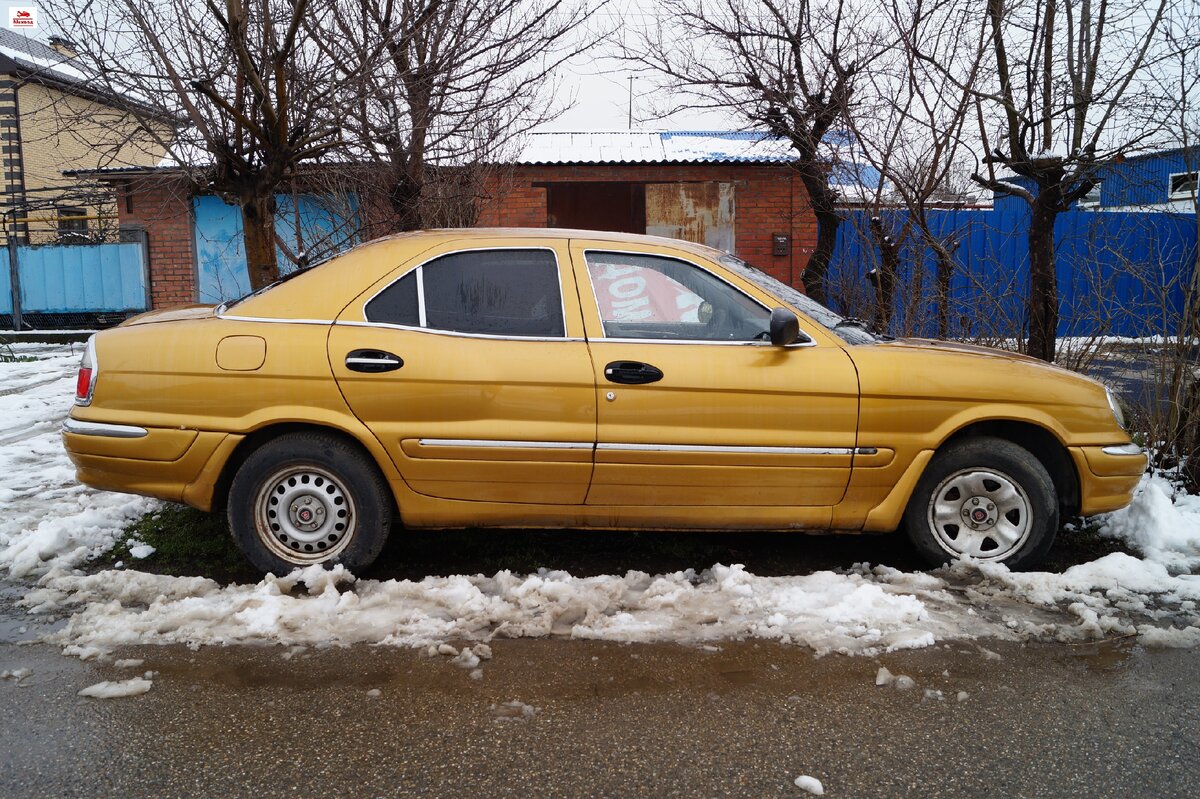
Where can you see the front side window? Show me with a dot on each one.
(488, 292)
(653, 297)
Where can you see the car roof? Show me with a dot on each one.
(324, 292)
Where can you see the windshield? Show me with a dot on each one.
(853, 331)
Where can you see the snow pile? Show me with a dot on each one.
(1114, 595)
(49, 519)
(51, 524)
(1162, 524)
(865, 611)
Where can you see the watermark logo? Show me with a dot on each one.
(22, 17)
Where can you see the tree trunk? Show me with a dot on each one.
(407, 203)
(824, 205)
(885, 285)
(1042, 303)
(945, 271)
(818, 263)
(258, 232)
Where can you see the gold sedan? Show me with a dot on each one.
(549, 378)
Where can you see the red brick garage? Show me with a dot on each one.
(734, 191)
(677, 184)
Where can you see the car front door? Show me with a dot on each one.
(695, 407)
(471, 368)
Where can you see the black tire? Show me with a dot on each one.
(987, 470)
(306, 498)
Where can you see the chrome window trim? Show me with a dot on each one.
(713, 342)
(432, 332)
(496, 444)
(1123, 449)
(600, 315)
(420, 278)
(274, 320)
(104, 429)
(419, 269)
(728, 449)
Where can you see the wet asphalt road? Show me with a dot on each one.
(612, 720)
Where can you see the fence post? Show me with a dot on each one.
(14, 273)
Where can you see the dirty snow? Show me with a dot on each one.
(810, 784)
(116, 689)
(49, 519)
(51, 525)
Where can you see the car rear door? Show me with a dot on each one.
(470, 366)
(692, 408)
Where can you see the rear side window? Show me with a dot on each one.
(489, 292)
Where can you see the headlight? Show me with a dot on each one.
(1113, 403)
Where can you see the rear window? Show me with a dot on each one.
(483, 292)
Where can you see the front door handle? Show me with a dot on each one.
(372, 361)
(633, 373)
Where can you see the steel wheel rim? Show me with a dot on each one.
(973, 507)
(304, 514)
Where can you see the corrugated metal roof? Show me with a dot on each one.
(653, 147)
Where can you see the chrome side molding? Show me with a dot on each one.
(103, 429)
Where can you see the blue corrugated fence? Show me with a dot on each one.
(76, 278)
(1118, 273)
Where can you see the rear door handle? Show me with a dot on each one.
(372, 361)
(634, 373)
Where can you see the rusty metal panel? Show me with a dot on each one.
(699, 212)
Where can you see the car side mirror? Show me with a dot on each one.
(785, 327)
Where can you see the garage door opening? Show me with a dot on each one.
(702, 212)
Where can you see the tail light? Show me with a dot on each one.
(85, 383)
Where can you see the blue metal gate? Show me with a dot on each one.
(318, 226)
(74, 279)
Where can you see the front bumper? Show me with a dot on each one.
(1107, 476)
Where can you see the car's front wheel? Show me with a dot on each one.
(987, 499)
(306, 498)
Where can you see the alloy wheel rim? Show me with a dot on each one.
(304, 514)
(980, 513)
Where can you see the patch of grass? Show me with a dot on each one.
(186, 542)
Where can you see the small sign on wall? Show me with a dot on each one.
(781, 244)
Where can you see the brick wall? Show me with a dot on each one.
(161, 205)
(768, 199)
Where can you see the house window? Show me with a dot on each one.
(71, 224)
(1183, 185)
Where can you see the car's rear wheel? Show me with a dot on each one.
(987, 499)
(306, 498)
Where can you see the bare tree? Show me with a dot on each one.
(909, 126)
(787, 67)
(442, 90)
(246, 88)
(1073, 86)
